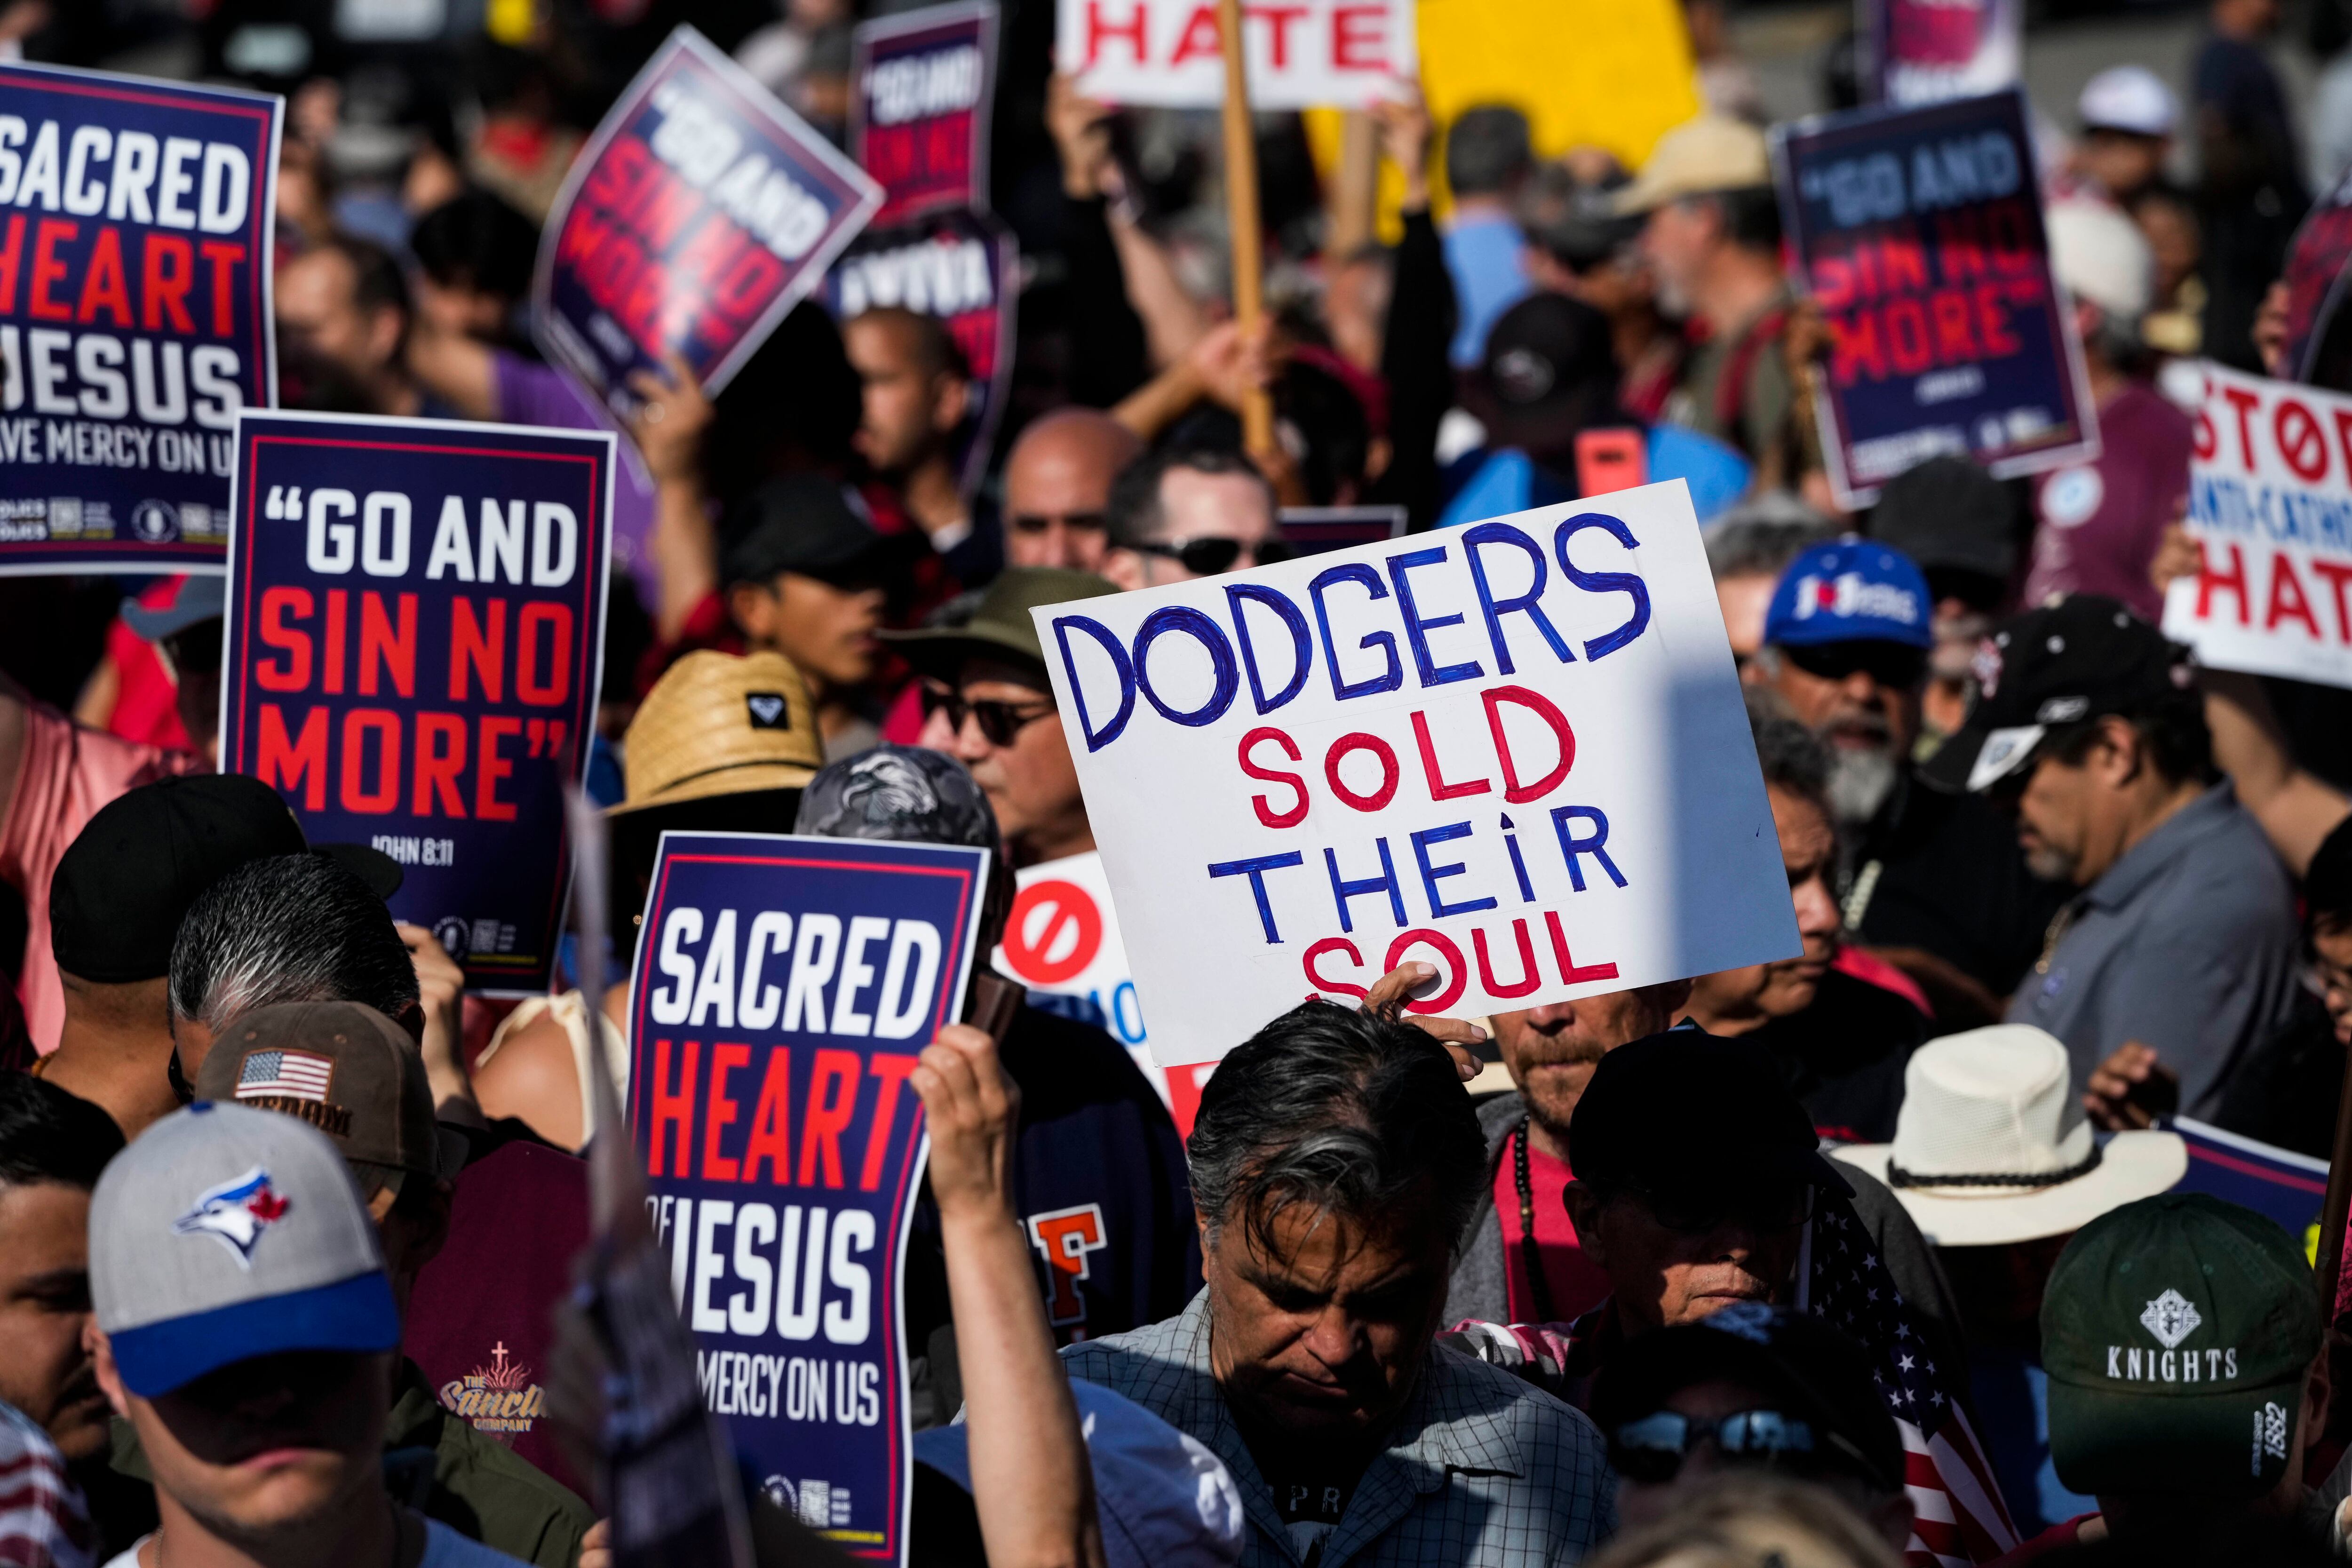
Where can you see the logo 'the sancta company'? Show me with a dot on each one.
(500, 1400)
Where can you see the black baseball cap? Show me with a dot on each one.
(1811, 1369)
(1549, 371)
(1948, 514)
(2047, 668)
(1688, 1113)
(804, 523)
(124, 884)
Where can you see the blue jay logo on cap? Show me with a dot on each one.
(235, 1213)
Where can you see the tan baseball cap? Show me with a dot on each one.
(719, 724)
(1699, 157)
(347, 1071)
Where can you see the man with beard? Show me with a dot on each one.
(1520, 1261)
(343, 320)
(1932, 880)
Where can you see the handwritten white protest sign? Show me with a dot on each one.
(1515, 751)
(1302, 55)
(2270, 502)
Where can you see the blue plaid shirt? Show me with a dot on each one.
(1480, 1471)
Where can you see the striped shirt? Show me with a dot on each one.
(43, 1522)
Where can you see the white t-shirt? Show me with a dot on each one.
(443, 1548)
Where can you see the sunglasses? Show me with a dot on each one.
(999, 722)
(1783, 1209)
(1651, 1451)
(1081, 521)
(1886, 663)
(1211, 555)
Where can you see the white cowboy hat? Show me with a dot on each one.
(1991, 1145)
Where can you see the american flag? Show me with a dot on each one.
(301, 1075)
(1959, 1516)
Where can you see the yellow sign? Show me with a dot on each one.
(1605, 73)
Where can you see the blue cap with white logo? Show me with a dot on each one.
(1850, 589)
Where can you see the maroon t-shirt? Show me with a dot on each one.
(482, 1316)
(2097, 525)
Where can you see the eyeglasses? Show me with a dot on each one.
(999, 722)
(1770, 1209)
(1078, 522)
(1652, 1450)
(1889, 664)
(1211, 555)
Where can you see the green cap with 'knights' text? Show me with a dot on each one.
(2177, 1332)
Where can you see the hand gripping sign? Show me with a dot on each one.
(1166, 53)
(2270, 504)
(700, 211)
(1918, 233)
(921, 86)
(415, 626)
(135, 227)
(1516, 751)
(784, 989)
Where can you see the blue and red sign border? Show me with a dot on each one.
(131, 555)
(596, 555)
(810, 852)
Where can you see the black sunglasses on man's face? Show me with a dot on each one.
(1212, 555)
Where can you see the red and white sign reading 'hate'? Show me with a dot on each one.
(2270, 502)
(1303, 54)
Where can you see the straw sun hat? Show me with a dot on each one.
(1991, 1145)
(718, 724)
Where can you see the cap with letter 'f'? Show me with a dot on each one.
(221, 1234)
(2177, 1332)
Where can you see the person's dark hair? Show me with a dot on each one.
(936, 350)
(291, 928)
(794, 407)
(376, 279)
(1760, 539)
(1751, 216)
(2328, 884)
(1347, 1113)
(2171, 729)
(49, 1135)
(1487, 151)
(1791, 756)
(1329, 417)
(475, 240)
(1132, 514)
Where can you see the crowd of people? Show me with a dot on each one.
(1870, 1254)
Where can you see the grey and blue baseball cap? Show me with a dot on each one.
(223, 1233)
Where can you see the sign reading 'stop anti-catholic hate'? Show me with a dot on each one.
(783, 990)
(1918, 233)
(700, 211)
(2270, 505)
(415, 626)
(1515, 751)
(135, 229)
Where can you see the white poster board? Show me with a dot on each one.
(1515, 751)
(1167, 54)
(2270, 502)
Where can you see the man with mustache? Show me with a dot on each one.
(1932, 878)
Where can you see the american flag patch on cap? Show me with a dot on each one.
(301, 1075)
